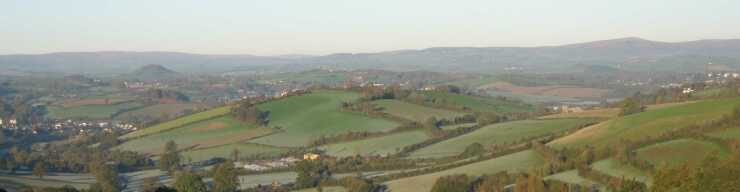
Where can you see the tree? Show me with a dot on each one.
(39, 169)
(225, 178)
(189, 182)
(235, 155)
(452, 183)
(431, 123)
(630, 106)
(170, 159)
(473, 150)
(310, 173)
(106, 177)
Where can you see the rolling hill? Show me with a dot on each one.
(626, 53)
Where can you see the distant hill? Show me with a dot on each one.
(631, 54)
(154, 72)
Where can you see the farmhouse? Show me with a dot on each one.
(310, 156)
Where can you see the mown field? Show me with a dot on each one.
(224, 151)
(92, 111)
(158, 110)
(386, 145)
(517, 162)
(219, 131)
(680, 151)
(213, 113)
(728, 133)
(307, 117)
(651, 123)
(414, 112)
(325, 189)
(571, 177)
(616, 169)
(480, 104)
(500, 133)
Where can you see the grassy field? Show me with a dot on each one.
(94, 111)
(500, 133)
(571, 177)
(677, 152)
(614, 168)
(528, 98)
(376, 146)
(480, 104)
(213, 113)
(204, 134)
(729, 133)
(325, 189)
(224, 151)
(249, 181)
(453, 127)
(33, 181)
(159, 110)
(651, 123)
(518, 162)
(309, 116)
(414, 112)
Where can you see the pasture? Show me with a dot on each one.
(204, 134)
(158, 110)
(179, 122)
(500, 133)
(680, 151)
(571, 177)
(92, 111)
(224, 151)
(651, 123)
(517, 162)
(414, 112)
(616, 169)
(479, 104)
(309, 116)
(385, 145)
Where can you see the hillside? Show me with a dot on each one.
(627, 54)
(651, 123)
(153, 72)
(307, 117)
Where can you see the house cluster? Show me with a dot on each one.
(265, 165)
(567, 109)
(143, 85)
(84, 127)
(719, 77)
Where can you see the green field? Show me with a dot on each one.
(249, 181)
(414, 112)
(94, 111)
(615, 169)
(309, 116)
(224, 151)
(500, 133)
(210, 114)
(33, 181)
(651, 123)
(480, 104)
(729, 133)
(325, 189)
(219, 131)
(530, 98)
(517, 162)
(453, 127)
(571, 177)
(158, 110)
(375, 146)
(677, 152)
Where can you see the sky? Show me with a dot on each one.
(319, 27)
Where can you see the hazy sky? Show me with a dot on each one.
(273, 27)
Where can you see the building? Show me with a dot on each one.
(310, 156)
